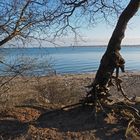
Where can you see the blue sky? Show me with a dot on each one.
(101, 33)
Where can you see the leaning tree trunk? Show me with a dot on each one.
(112, 59)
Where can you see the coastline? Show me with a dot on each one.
(78, 46)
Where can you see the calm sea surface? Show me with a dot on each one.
(64, 60)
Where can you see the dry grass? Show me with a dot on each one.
(58, 91)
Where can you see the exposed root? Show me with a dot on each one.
(99, 95)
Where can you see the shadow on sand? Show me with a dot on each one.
(10, 129)
(75, 120)
(82, 119)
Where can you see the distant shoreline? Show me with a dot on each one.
(102, 46)
(72, 46)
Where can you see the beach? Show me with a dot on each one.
(24, 100)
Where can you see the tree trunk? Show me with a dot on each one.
(112, 59)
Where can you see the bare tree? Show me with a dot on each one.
(20, 19)
(112, 59)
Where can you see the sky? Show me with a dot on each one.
(101, 33)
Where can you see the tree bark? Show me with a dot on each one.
(112, 59)
(8, 38)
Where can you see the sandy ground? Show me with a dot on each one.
(30, 109)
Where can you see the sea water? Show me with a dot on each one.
(63, 60)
